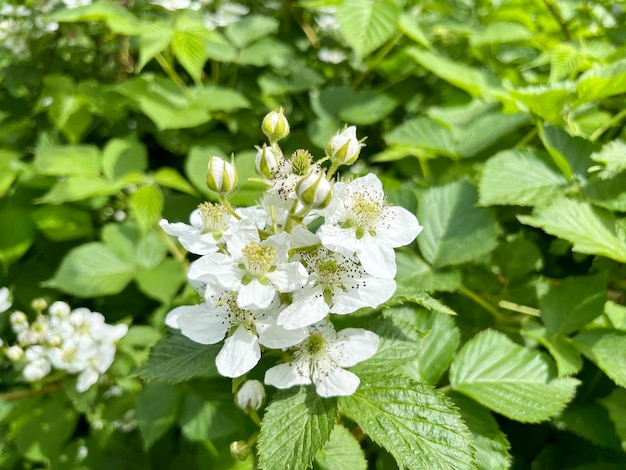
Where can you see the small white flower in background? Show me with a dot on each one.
(337, 284)
(250, 396)
(5, 299)
(320, 359)
(225, 14)
(331, 56)
(359, 220)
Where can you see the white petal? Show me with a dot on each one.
(368, 182)
(239, 354)
(199, 244)
(202, 324)
(288, 375)
(239, 235)
(304, 311)
(215, 269)
(281, 243)
(375, 292)
(255, 295)
(331, 380)
(377, 260)
(341, 240)
(403, 229)
(301, 236)
(176, 229)
(288, 277)
(275, 336)
(354, 345)
(86, 379)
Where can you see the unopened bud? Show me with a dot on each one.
(266, 161)
(275, 125)
(314, 190)
(343, 148)
(14, 353)
(39, 304)
(250, 396)
(19, 321)
(240, 450)
(221, 176)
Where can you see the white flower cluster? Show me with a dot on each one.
(268, 281)
(75, 341)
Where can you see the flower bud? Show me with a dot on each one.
(240, 450)
(314, 190)
(221, 176)
(343, 148)
(250, 396)
(266, 161)
(19, 321)
(14, 353)
(275, 125)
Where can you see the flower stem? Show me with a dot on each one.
(229, 207)
(602, 129)
(171, 72)
(480, 301)
(52, 388)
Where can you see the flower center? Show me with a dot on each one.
(239, 316)
(257, 258)
(315, 344)
(327, 269)
(214, 217)
(367, 211)
(301, 162)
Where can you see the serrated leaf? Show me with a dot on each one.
(123, 156)
(188, 45)
(519, 177)
(250, 29)
(615, 404)
(570, 153)
(146, 205)
(613, 156)
(509, 379)
(572, 303)
(61, 223)
(296, 425)
(414, 274)
(92, 270)
(499, 33)
(591, 422)
(418, 425)
(492, 445)
(425, 134)
(341, 452)
(156, 406)
(67, 160)
(475, 81)
(568, 359)
(176, 358)
(126, 240)
(162, 282)
(606, 349)
(546, 101)
(590, 229)
(153, 40)
(366, 25)
(455, 230)
(601, 82)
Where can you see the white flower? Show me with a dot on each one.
(5, 299)
(337, 284)
(331, 56)
(320, 360)
(38, 365)
(343, 148)
(250, 396)
(209, 323)
(256, 269)
(359, 220)
(14, 353)
(207, 225)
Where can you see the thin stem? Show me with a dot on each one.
(177, 253)
(480, 301)
(377, 59)
(52, 388)
(559, 19)
(171, 72)
(425, 168)
(331, 171)
(535, 312)
(602, 129)
(229, 207)
(531, 135)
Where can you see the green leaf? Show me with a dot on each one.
(568, 359)
(475, 81)
(78, 188)
(367, 25)
(92, 270)
(591, 230)
(270, 51)
(499, 33)
(16, 241)
(61, 223)
(66, 160)
(602, 82)
(162, 282)
(188, 45)
(341, 452)
(417, 425)
(408, 24)
(414, 274)
(157, 406)
(591, 422)
(126, 240)
(209, 414)
(455, 230)
(367, 107)
(301, 79)
(119, 19)
(146, 205)
(296, 425)
(425, 134)
(613, 156)
(607, 350)
(170, 178)
(176, 358)
(10, 168)
(123, 156)
(615, 403)
(153, 40)
(216, 98)
(546, 101)
(571, 154)
(491, 444)
(606, 191)
(518, 259)
(249, 29)
(572, 303)
(520, 177)
(509, 379)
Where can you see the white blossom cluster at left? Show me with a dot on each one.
(270, 276)
(76, 341)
